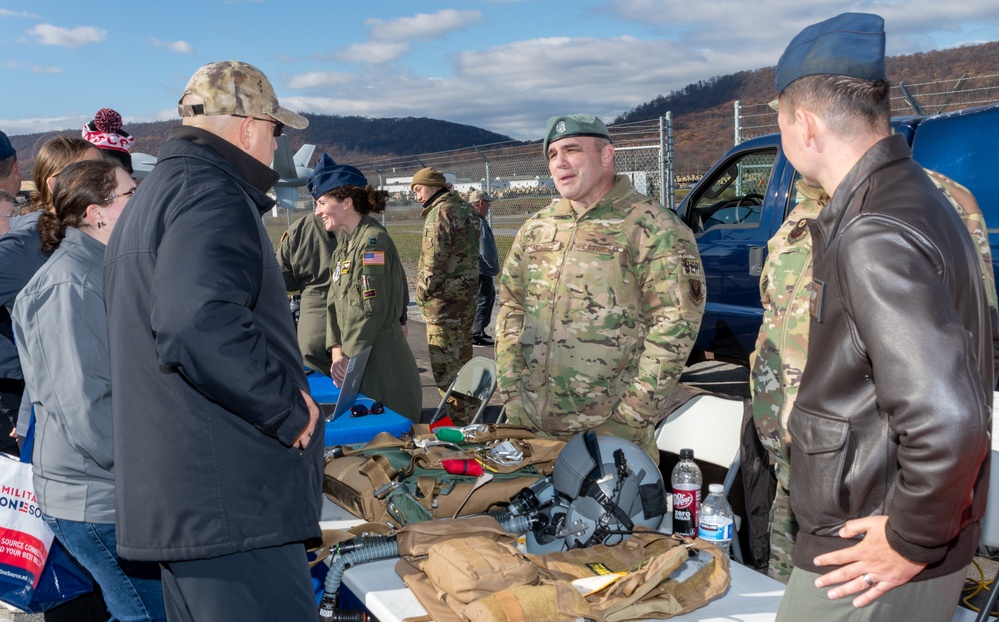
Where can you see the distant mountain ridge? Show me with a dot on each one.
(351, 139)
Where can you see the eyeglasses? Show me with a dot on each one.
(118, 196)
(278, 126)
(360, 410)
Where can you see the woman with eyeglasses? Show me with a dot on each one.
(368, 293)
(60, 325)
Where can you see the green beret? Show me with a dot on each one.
(573, 125)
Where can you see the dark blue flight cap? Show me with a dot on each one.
(851, 44)
(329, 175)
(6, 149)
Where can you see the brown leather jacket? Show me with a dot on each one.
(894, 412)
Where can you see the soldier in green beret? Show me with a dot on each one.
(447, 280)
(368, 291)
(601, 298)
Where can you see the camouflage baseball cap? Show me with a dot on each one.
(478, 195)
(573, 125)
(237, 88)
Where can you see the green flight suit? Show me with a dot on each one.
(304, 256)
(368, 296)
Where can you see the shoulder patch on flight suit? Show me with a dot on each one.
(372, 241)
(373, 258)
(367, 288)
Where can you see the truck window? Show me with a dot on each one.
(734, 198)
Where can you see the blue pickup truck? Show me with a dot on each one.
(745, 197)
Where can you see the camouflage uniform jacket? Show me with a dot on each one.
(599, 311)
(782, 345)
(447, 277)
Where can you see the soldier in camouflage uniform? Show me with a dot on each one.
(447, 281)
(781, 348)
(304, 257)
(601, 298)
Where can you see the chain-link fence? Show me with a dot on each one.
(757, 119)
(514, 173)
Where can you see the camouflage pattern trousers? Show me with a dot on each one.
(450, 348)
(783, 530)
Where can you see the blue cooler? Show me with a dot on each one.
(349, 430)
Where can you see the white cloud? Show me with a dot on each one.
(318, 79)
(24, 14)
(183, 47)
(12, 64)
(422, 26)
(49, 124)
(47, 34)
(374, 52)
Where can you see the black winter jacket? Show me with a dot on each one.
(205, 366)
(894, 412)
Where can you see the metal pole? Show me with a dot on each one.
(488, 178)
(671, 169)
(663, 182)
(738, 110)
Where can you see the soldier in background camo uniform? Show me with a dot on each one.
(447, 280)
(600, 299)
(782, 345)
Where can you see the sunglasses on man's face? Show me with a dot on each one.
(360, 410)
(278, 126)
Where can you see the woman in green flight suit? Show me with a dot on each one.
(368, 292)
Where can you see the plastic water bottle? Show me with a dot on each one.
(686, 481)
(716, 522)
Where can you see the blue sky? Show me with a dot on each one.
(504, 65)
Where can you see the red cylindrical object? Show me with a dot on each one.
(462, 467)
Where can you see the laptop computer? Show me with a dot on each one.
(351, 383)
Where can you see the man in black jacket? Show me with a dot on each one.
(890, 431)
(218, 446)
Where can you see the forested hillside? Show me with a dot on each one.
(703, 111)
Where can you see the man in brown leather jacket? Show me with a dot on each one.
(890, 433)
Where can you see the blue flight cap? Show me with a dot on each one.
(329, 175)
(6, 149)
(851, 44)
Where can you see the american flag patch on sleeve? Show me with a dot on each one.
(373, 258)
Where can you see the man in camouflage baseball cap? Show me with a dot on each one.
(601, 298)
(235, 88)
(218, 444)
